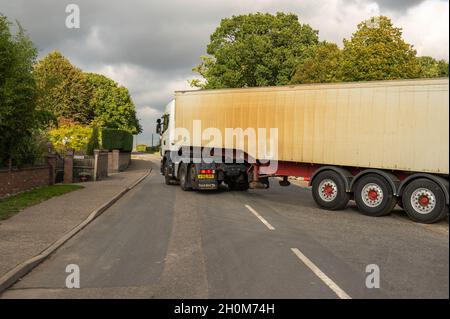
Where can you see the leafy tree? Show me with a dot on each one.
(254, 50)
(443, 68)
(377, 51)
(70, 135)
(429, 67)
(63, 88)
(323, 65)
(18, 117)
(112, 104)
(432, 68)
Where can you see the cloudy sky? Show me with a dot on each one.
(150, 46)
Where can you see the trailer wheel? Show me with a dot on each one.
(328, 191)
(374, 196)
(185, 176)
(424, 201)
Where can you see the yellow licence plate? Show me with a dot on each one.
(205, 176)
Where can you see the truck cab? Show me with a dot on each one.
(166, 128)
(189, 170)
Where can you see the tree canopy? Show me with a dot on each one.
(322, 65)
(264, 50)
(63, 88)
(432, 68)
(68, 92)
(33, 95)
(112, 104)
(258, 49)
(377, 51)
(18, 116)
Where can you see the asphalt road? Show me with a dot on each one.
(161, 242)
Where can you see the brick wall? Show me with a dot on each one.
(113, 161)
(124, 160)
(101, 165)
(24, 179)
(118, 161)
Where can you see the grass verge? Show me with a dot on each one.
(14, 204)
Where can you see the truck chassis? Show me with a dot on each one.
(424, 196)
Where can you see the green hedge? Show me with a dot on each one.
(114, 139)
(152, 149)
(141, 148)
(147, 149)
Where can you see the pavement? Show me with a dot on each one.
(31, 231)
(158, 241)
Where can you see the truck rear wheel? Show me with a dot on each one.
(239, 183)
(169, 180)
(185, 177)
(238, 186)
(374, 196)
(424, 201)
(328, 191)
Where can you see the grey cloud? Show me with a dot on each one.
(398, 5)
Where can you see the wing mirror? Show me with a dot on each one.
(158, 126)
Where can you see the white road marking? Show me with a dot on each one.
(265, 222)
(327, 280)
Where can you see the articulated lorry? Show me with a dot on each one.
(378, 143)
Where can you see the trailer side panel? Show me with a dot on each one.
(395, 125)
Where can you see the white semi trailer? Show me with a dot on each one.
(379, 143)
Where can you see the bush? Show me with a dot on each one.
(147, 149)
(141, 148)
(152, 149)
(114, 139)
(70, 135)
(93, 143)
(32, 150)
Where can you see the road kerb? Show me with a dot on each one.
(22, 269)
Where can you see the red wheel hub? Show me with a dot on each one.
(328, 190)
(373, 195)
(424, 200)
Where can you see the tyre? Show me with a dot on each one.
(185, 177)
(242, 187)
(424, 201)
(238, 186)
(374, 196)
(328, 189)
(167, 178)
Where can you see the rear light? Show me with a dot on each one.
(207, 171)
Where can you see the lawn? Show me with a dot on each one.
(12, 205)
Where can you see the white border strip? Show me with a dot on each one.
(265, 222)
(327, 280)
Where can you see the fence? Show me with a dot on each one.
(83, 168)
(68, 169)
(90, 167)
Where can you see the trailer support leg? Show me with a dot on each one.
(256, 183)
(285, 182)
